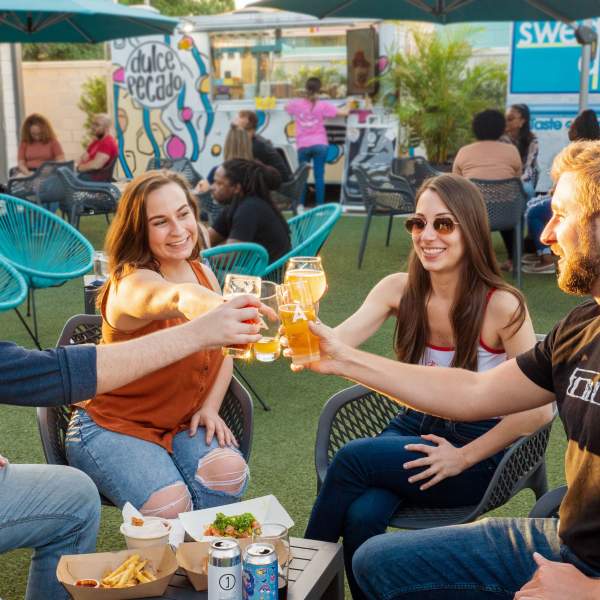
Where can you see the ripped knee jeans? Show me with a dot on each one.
(127, 469)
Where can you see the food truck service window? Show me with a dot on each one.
(277, 62)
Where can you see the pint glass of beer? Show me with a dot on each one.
(238, 285)
(309, 269)
(296, 309)
(267, 348)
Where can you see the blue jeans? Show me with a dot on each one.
(492, 558)
(366, 482)
(538, 213)
(53, 509)
(317, 154)
(129, 469)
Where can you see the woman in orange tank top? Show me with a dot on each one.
(165, 450)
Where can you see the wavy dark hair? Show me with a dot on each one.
(255, 179)
(479, 274)
(585, 126)
(525, 136)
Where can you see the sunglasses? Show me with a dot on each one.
(442, 225)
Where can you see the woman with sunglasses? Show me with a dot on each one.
(452, 308)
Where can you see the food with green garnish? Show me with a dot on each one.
(237, 526)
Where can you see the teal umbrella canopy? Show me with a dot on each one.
(77, 21)
(443, 11)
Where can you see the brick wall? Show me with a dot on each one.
(53, 89)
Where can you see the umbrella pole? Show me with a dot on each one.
(588, 39)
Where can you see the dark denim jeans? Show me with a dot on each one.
(318, 155)
(489, 559)
(539, 212)
(366, 482)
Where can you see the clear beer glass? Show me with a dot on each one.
(296, 310)
(267, 348)
(309, 269)
(238, 285)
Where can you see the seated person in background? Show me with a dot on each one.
(245, 187)
(168, 450)
(55, 509)
(237, 145)
(262, 149)
(539, 210)
(38, 144)
(452, 309)
(100, 153)
(488, 158)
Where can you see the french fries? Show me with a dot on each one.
(130, 572)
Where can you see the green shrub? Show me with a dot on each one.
(92, 101)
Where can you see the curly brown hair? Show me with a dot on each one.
(48, 134)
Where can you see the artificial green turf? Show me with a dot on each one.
(282, 453)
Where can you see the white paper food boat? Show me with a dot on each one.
(265, 509)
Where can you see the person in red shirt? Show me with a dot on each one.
(38, 144)
(102, 151)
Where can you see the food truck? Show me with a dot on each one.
(175, 96)
(545, 60)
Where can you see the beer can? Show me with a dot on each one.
(224, 570)
(260, 572)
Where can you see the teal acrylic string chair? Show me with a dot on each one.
(309, 232)
(13, 289)
(45, 250)
(243, 258)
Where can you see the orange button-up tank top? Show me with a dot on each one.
(157, 407)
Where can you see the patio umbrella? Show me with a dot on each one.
(77, 21)
(443, 11)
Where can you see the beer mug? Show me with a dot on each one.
(309, 269)
(296, 310)
(238, 285)
(267, 348)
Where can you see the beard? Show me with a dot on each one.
(578, 272)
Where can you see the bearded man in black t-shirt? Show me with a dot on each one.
(524, 559)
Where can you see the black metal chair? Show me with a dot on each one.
(388, 199)
(288, 195)
(359, 412)
(210, 209)
(85, 198)
(548, 505)
(184, 166)
(102, 175)
(505, 200)
(414, 169)
(237, 409)
(29, 187)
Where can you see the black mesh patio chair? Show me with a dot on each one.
(505, 200)
(236, 410)
(359, 412)
(28, 187)
(547, 506)
(387, 199)
(210, 209)
(184, 166)
(84, 198)
(102, 175)
(414, 169)
(288, 195)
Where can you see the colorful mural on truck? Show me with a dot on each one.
(163, 106)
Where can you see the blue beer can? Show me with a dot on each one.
(259, 577)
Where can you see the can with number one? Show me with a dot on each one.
(224, 570)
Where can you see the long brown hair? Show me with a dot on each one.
(479, 274)
(126, 244)
(237, 144)
(48, 134)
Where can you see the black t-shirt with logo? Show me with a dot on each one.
(567, 363)
(252, 219)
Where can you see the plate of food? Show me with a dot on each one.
(234, 520)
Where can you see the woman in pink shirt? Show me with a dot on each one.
(311, 138)
(38, 144)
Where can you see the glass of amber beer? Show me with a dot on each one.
(296, 309)
(238, 285)
(267, 348)
(309, 269)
